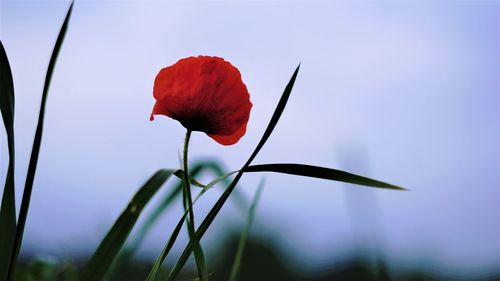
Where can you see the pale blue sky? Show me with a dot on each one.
(406, 92)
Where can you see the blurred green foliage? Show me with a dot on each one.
(261, 262)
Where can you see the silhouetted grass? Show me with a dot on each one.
(261, 261)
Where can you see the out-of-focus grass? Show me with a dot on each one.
(47, 270)
(261, 261)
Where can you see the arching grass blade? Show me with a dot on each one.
(188, 206)
(114, 240)
(244, 234)
(8, 205)
(218, 205)
(275, 118)
(173, 237)
(320, 172)
(124, 257)
(196, 170)
(28, 187)
(166, 249)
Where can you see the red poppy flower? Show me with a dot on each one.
(204, 94)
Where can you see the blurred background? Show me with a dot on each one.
(404, 92)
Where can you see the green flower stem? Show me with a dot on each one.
(188, 206)
(187, 184)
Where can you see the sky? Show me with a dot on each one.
(405, 92)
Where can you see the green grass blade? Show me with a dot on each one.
(8, 207)
(223, 177)
(161, 208)
(166, 249)
(215, 181)
(153, 217)
(244, 234)
(126, 254)
(23, 213)
(276, 116)
(7, 99)
(197, 169)
(320, 172)
(218, 205)
(173, 237)
(152, 275)
(110, 246)
(192, 180)
(188, 206)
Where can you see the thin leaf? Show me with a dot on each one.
(218, 205)
(188, 205)
(320, 172)
(125, 255)
(197, 169)
(173, 237)
(193, 181)
(36, 149)
(244, 234)
(215, 181)
(275, 118)
(114, 240)
(153, 217)
(222, 176)
(166, 249)
(8, 207)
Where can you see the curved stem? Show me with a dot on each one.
(187, 183)
(188, 206)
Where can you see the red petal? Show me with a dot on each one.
(204, 94)
(231, 139)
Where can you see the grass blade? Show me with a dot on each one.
(114, 240)
(218, 205)
(243, 239)
(8, 207)
(197, 169)
(275, 118)
(188, 206)
(23, 213)
(192, 180)
(320, 172)
(166, 249)
(213, 183)
(173, 237)
(153, 217)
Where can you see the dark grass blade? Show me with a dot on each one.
(8, 207)
(36, 149)
(198, 168)
(153, 217)
(188, 206)
(173, 237)
(192, 180)
(320, 172)
(114, 240)
(163, 206)
(166, 249)
(222, 176)
(275, 118)
(125, 255)
(218, 205)
(244, 234)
